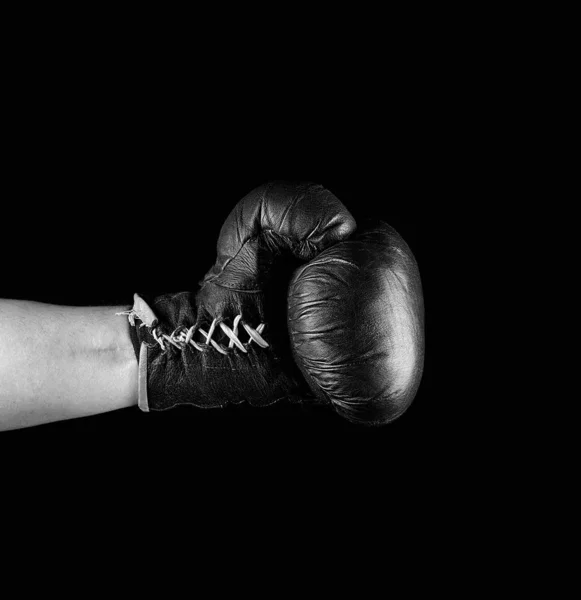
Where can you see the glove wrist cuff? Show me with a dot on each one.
(174, 356)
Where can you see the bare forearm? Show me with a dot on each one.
(62, 362)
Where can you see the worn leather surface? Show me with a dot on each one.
(271, 231)
(356, 321)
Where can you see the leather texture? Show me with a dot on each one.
(356, 322)
(267, 235)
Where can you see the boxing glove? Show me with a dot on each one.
(228, 342)
(356, 322)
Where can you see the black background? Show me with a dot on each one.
(110, 190)
(121, 159)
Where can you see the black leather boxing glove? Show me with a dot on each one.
(228, 342)
(356, 321)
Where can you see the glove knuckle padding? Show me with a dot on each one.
(356, 322)
(300, 218)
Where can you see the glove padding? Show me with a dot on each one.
(229, 341)
(356, 320)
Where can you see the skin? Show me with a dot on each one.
(63, 362)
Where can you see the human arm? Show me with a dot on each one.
(63, 362)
